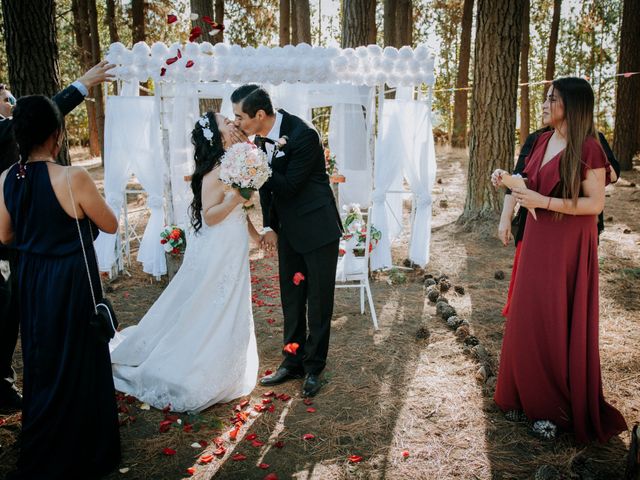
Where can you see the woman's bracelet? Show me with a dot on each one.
(549, 203)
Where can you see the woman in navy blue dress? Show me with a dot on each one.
(69, 418)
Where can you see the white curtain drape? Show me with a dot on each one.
(133, 145)
(416, 143)
(387, 176)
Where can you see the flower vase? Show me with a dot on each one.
(174, 260)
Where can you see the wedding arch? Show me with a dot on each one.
(378, 143)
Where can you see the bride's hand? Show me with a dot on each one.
(229, 132)
(234, 196)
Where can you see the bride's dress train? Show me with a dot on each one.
(196, 345)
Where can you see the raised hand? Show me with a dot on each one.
(97, 74)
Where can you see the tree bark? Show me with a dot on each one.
(80, 9)
(550, 68)
(295, 35)
(493, 104)
(32, 51)
(219, 8)
(138, 10)
(404, 23)
(356, 18)
(206, 7)
(97, 91)
(627, 127)
(110, 21)
(461, 99)
(373, 28)
(303, 21)
(390, 8)
(525, 121)
(285, 22)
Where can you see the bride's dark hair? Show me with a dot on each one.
(207, 154)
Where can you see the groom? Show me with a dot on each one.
(301, 220)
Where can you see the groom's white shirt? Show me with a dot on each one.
(274, 134)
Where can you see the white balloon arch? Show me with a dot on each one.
(149, 135)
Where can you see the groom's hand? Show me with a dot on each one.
(269, 241)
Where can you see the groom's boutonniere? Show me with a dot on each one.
(278, 146)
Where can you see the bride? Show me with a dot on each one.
(196, 345)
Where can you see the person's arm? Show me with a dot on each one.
(301, 158)
(253, 233)
(90, 201)
(74, 94)
(591, 203)
(216, 204)
(615, 175)
(504, 227)
(6, 229)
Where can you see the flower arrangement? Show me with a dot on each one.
(245, 167)
(329, 161)
(355, 228)
(173, 239)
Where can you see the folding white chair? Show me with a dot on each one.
(353, 272)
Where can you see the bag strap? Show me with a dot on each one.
(84, 252)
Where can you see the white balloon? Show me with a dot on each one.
(406, 53)
(374, 50)
(206, 48)
(390, 52)
(191, 49)
(221, 49)
(362, 52)
(159, 49)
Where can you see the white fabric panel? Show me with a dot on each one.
(133, 145)
(294, 98)
(349, 142)
(420, 171)
(387, 176)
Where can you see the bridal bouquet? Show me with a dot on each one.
(173, 240)
(245, 167)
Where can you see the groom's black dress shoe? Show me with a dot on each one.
(311, 385)
(281, 375)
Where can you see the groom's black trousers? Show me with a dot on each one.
(314, 293)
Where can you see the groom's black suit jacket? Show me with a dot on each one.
(297, 201)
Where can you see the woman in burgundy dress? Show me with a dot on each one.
(550, 364)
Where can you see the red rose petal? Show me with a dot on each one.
(206, 459)
(169, 451)
(307, 401)
(271, 476)
(266, 401)
(171, 60)
(311, 410)
(171, 19)
(233, 434)
(238, 457)
(270, 393)
(163, 72)
(257, 443)
(219, 452)
(195, 33)
(405, 453)
(251, 436)
(355, 458)
(291, 348)
(297, 278)
(191, 470)
(189, 64)
(203, 443)
(308, 436)
(272, 408)
(165, 425)
(258, 408)
(271, 321)
(279, 444)
(263, 466)
(219, 441)
(188, 428)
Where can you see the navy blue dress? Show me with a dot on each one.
(69, 419)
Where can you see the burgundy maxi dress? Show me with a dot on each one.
(549, 364)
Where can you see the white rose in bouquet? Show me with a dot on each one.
(245, 167)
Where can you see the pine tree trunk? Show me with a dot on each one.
(285, 22)
(97, 91)
(138, 10)
(32, 50)
(295, 36)
(202, 8)
(356, 26)
(81, 28)
(219, 8)
(525, 123)
(493, 104)
(303, 20)
(110, 21)
(626, 141)
(404, 23)
(550, 68)
(390, 8)
(373, 28)
(461, 99)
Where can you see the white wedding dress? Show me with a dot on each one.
(196, 346)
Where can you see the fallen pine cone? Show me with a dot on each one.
(443, 203)
(454, 322)
(471, 341)
(440, 306)
(444, 285)
(499, 275)
(447, 312)
(429, 282)
(423, 333)
(433, 294)
(462, 332)
(459, 289)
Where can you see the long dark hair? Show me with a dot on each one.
(207, 154)
(578, 99)
(35, 119)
